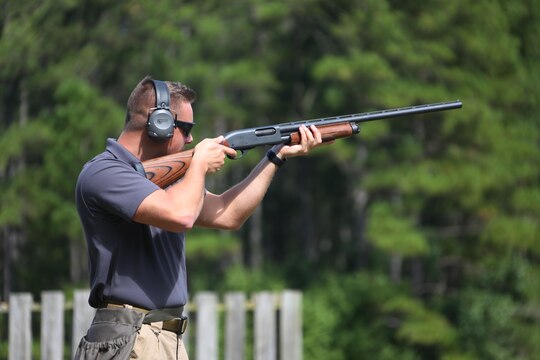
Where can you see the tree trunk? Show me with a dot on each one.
(14, 236)
(255, 239)
(396, 262)
(78, 264)
(417, 274)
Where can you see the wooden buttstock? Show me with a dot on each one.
(329, 132)
(165, 170)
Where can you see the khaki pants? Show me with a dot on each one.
(154, 343)
(120, 335)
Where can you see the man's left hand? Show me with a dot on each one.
(310, 138)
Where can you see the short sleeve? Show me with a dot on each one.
(113, 186)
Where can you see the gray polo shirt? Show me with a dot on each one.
(129, 262)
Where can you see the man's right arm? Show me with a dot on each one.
(178, 207)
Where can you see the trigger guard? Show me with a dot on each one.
(239, 154)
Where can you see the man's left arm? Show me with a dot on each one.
(232, 208)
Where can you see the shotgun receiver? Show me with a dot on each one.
(165, 170)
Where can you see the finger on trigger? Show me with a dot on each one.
(229, 151)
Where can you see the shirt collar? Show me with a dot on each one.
(121, 153)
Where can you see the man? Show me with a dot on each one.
(135, 230)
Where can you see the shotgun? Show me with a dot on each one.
(165, 170)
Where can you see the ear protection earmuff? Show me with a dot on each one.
(160, 124)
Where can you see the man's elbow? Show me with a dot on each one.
(235, 224)
(179, 223)
(227, 225)
(186, 222)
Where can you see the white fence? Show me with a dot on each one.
(276, 319)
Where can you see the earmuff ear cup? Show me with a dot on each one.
(160, 124)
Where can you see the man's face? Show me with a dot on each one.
(179, 140)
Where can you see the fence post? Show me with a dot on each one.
(235, 328)
(83, 314)
(20, 329)
(290, 322)
(52, 325)
(207, 326)
(265, 326)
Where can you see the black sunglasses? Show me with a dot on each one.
(184, 126)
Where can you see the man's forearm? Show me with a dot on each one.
(248, 194)
(232, 208)
(188, 193)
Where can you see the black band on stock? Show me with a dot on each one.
(273, 158)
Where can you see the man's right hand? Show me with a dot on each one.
(212, 154)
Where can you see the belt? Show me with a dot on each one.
(172, 319)
(177, 326)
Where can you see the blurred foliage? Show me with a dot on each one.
(417, 239)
